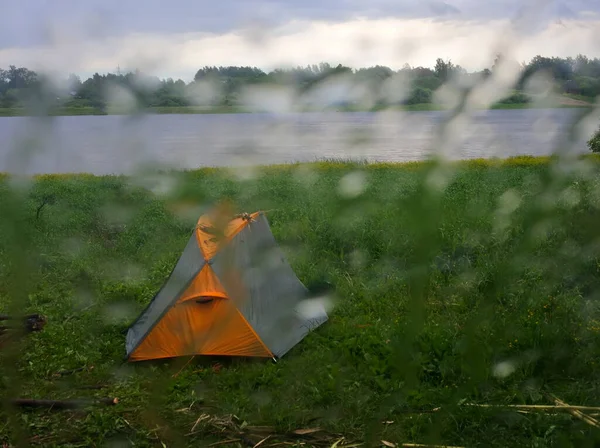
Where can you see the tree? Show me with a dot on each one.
(419, 96)
(3, 81)
(19, 78)
(443, 70)
(10, 98)
(594, 142)
(73, 82)
(579, 76)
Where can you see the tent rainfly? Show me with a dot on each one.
(232, 293)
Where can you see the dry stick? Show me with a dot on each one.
(223, 442)
(202, 417)
(576, 413)
(261, 442)
(429, 446)
(541, 407)
(280, 444)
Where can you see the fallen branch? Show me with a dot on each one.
(61, 404)
(223, 442)
(428, 446)
(229, 429)
(256, 445)
(394, 445)
(577, 413)
(539, 407)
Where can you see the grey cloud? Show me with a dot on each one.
(24, 22)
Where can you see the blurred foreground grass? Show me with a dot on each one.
(472, 282)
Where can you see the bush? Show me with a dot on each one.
(419, 96)
(594, 142)
(516, 98)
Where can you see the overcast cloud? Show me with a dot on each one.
(174, 38)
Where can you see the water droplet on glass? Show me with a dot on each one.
(352, 184)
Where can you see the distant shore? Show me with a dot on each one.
(181, 110)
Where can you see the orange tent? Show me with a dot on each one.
(231, 293)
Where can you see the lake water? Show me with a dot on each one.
(118, 144)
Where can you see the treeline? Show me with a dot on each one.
(222, 86)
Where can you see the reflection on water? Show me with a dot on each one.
(117, 144)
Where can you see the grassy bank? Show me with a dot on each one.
(75, 111)
(476, 282)
(185, 110)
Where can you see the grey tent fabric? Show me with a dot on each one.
(189, 265)
(274, 291)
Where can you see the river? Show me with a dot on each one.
(118, 144)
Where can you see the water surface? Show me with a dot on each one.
(117, 144)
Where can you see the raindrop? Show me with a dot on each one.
(353, 184)
(569, 197)
(313, 308)
(268, 99)
(120, 100)
(118, 313)
(305, 176)
(504, 369)
(509, 202)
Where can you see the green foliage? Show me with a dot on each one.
(481, 291)
(516, 98)
(20, 87)
(419, 95)
(594, 142)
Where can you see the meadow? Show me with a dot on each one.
(452, 284)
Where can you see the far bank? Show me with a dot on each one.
(191, 110)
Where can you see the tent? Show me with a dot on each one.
(232, 293)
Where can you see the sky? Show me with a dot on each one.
(177, 37)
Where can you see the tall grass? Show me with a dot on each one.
(471, 282)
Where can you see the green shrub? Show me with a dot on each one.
(516, 98)
(594, 142)
(419, 95)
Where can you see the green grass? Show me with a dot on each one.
(441, 273)
(70, 111)
(185, 110)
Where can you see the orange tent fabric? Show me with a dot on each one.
(213, 235)
(214, 328)
(206, 283)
